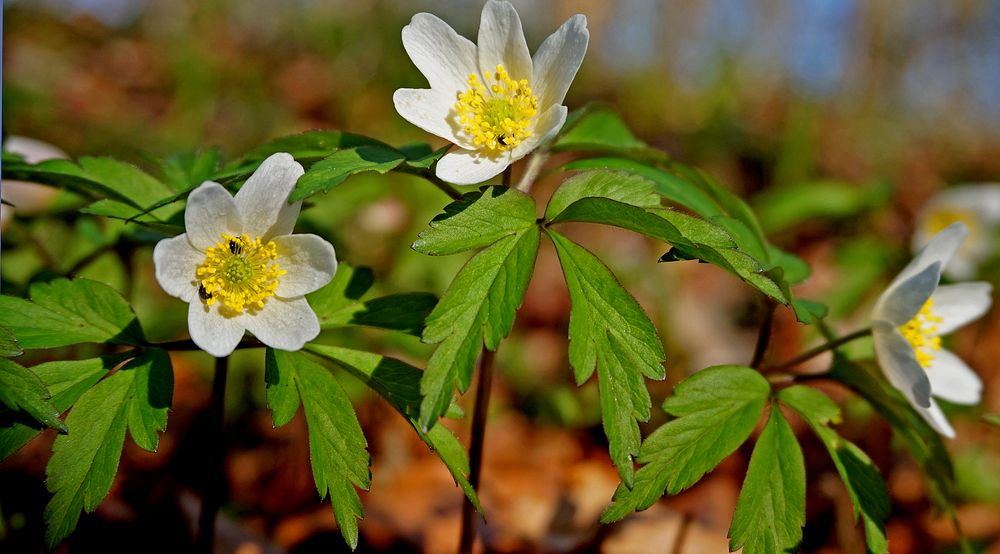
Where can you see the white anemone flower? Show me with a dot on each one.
(911, 316)
(240, 268)
(493, 100)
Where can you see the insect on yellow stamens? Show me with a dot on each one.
(497, 114)
(240, 272)
(921, 332)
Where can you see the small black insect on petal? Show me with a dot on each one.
(204, 294)
(234, 247)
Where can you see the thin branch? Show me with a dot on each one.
(468, 537)
(428, 175)
(531, 171)
(809, 354)
(764, 336)
(212, 494)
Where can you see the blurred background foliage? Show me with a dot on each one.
(836, 119)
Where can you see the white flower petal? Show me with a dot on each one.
(212, 332)
(444, 57)
(961, 303)
(263, 199)
(546, 127)
(935, 417)
(899, 363)
(309, 262)
(284, 324)
(940, 249)
(557, 60)
(176, 261)
(210, 213)
(432, 111)
(902, 300)
(468, 167)
(952, 380)
(501, 41)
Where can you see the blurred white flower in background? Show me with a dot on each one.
(27, 198)
(975, 205)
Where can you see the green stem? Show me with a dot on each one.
(764, 336)
(809, 354)
(216, 472)
(429, 176)
(468, 536)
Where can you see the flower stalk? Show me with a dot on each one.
(214, 490)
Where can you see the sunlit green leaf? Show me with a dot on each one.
(21, 389)
(63, 312)
(477, 310)
(185, 170)
(771, 509)
(716, 410)
(94, 177)
(84, 462)
(306, 148)
(861, 478)
(476, 220)
(9, 348)
(66, 382)
(337, 167)
(399, 383)
(786, 206)
(337, 446)
(610, 331)
(600, 128)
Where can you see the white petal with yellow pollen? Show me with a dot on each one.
(557, 60)
(210, 213)
(901, 302)
(429, 109)
(899, 363)
(443, 56)
(176, 261)
(547, 126)
(212, 332)
(501, 41)
(284, 324)
(961, 303)
(263, 199)
(309, 261)
(952, 380)
(468, 167)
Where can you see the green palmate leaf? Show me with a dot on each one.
(716, 409)
(608, 330)
(771, 509)
(600, 128)
(64, 312)
(66, 382)
(84, 462)
(339, 303)
(477, 310)
(337, 167)
(399, 383)
(923, 443)
(20, 389)
(9, 348)
(861, 478)
(631, 202)
(152, 217)
(95, 178)
(668, 185)
(337, 446)
(476, 220)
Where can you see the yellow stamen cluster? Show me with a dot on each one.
(941, 218)
(239, 271)
(497, 114)
(921, 333)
